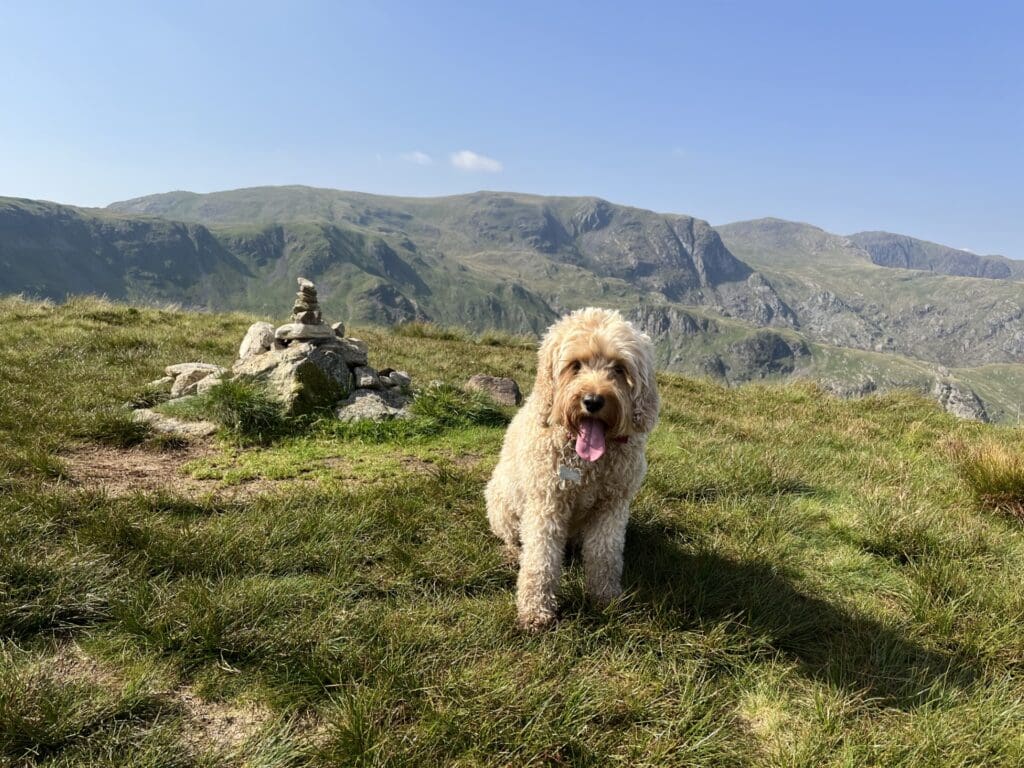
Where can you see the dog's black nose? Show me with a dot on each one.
(593, 403)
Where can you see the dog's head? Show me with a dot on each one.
(594, 364)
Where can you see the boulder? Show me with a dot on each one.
(374, 405)
(303, 377)
(502, 390)
(187, 382)
(339, 330)
(169, 425)
(180, 368)
(258, 339)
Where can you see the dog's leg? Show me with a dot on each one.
(603, 541)
(542, 533)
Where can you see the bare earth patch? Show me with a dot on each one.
(222, 727)
(72, 665)
(124, 471)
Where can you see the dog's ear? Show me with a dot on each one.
(646, 402)
(544, 384)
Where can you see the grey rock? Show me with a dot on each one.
(374, 405)
(187, 382)
(366, 377)
(308, 317)
(258, 339)
(163, 384)
(959, 400)
(339, 329)
(354, 351)
(205, 385)
(400, 378)
(301, 331)
(180, 368)
(169, 425)
(303, 376)
(861, 386)
(502, 390)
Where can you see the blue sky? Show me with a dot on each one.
(900, 116)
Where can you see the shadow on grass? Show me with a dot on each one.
(828, 642)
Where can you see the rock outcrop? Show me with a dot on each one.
(959, 400)
(503, 391)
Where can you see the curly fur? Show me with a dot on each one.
(591, 351)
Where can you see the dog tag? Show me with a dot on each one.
(569, 475)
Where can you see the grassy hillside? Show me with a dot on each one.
(810, 582)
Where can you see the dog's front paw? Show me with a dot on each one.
(536, 621)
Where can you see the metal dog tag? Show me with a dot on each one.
(569, 475)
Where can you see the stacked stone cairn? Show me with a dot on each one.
(307, 365)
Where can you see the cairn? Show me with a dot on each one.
(307, 323)
(306, 364)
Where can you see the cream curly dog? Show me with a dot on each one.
(573, 458)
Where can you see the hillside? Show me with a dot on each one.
(841, 297)
(810, 581)
(766, 299)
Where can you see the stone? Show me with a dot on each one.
(301, 331)
(205, 385)
(355, 351)
(303, 376)
(163, 384)
(503, 391)
(366, 377)
(373, 405)
(309, 317)
(339, 329)
(306, 285)
(400, 378)
(959, 400)
(186, 383)
(258, 339)
(169, 425)
(180, 368)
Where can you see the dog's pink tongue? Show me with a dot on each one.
(590, 442)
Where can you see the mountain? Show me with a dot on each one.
(765, 299)
(55, 250)
(567, 249)
(842, 296)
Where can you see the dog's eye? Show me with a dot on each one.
(620, 370)
(576, 366)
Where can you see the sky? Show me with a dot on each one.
(902, 116)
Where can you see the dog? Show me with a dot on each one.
(573, 458)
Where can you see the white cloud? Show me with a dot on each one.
(417, 157)
(467, 160)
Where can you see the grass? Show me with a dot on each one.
(809, 582)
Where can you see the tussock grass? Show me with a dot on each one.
(808, 581)
(248, 413)
(995, 472)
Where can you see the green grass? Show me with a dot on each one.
(809, 582)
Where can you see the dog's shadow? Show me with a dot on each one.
(686, 590)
